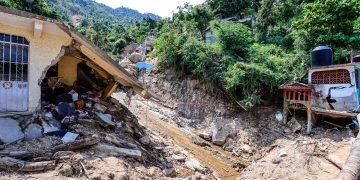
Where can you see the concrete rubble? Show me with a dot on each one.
(10, 131)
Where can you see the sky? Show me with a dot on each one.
(163, 8)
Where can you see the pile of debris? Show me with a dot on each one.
(40, 141)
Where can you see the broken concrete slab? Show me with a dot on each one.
(294, 125)
(33, 131)
(10, 130)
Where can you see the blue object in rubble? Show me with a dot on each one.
(144, 65)
(356, 122)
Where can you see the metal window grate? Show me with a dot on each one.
(14, 57)
(339, 76)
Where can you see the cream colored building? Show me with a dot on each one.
(31, 44)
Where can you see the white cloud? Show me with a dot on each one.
(163, 8)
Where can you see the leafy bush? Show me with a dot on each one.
(234, 38)
(198, 58)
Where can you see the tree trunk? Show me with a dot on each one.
(9, 163)
(79, 144)
(351, 169)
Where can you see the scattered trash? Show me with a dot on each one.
(74, 95)
(69, 137)
(144, 66)
(100, 108)
(279, 117)
(282, 153)
(64, 109)
(105, 118)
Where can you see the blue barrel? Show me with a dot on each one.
(321, 56)
(356, 58)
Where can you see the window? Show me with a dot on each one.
(14, 58)
(339, 76)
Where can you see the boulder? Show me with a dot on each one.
(222, 129)
(33, 131)
(10, 130)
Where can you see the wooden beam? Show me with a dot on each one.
(110, 89)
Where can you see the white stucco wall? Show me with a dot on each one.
(43, 51)
(346, 98)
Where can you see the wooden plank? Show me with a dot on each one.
(333, 113)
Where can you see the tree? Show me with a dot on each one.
(201, 16)
(231, 7)
(119, 45)
(234, 38)
(330, 22)
(40, 7)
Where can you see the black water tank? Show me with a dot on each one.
(321, 56)
(356, 58)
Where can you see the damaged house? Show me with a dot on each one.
(42, 59)
(332, 90)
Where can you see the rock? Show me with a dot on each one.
(276, 160)
(100, 108)
(222, 129)
(179, 157)
(170, 172)
(294, 125)
(196, 140)
(145, 140)
(194, 165)
(205, 135)
(10, 130)
(33, 131)
(229, 145)
(66, 170)
(154, 171)
(282, 153)
(246, 149)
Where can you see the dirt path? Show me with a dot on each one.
(221, 168)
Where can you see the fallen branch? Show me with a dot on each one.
(78, 144)
(121, 151)
(9, 163)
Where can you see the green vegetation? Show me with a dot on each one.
(35, 6)
(249, 59)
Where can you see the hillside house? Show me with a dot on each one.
(332, 91)
(38, 53)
